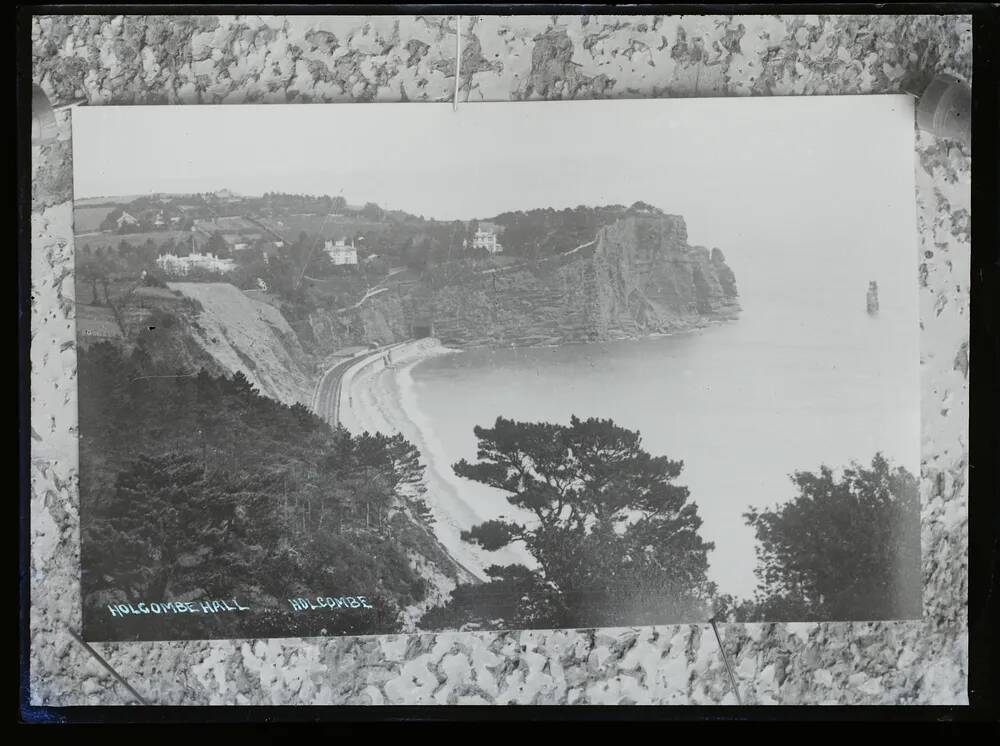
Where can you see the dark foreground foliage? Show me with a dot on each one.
(616, 542)
(841, 549)
(196, 487)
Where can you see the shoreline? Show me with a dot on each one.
(379, 398)
(374, 397)
(710, 324)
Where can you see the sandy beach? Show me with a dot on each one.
(376, 397)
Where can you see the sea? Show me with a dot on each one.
(805, 377)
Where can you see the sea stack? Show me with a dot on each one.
(872, 298)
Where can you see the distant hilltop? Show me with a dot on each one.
(569, 220)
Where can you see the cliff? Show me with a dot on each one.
(242, 334)
(638, 276)
(383, 319)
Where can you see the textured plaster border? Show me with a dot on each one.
(117, 60)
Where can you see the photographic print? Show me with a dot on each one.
(370, 369)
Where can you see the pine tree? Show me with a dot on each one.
(613, 536)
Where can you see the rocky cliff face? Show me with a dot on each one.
(639, 276)
(246, 335)
(384, 318)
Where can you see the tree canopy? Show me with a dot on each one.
(197, 486)
(844, 548)
(613, 536)
(541, 232)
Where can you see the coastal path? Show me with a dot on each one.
(520, 265)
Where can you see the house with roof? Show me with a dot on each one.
(486, 237)
(183, 265)
(341, 252)
(125, 220)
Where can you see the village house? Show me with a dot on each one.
(341, 252)
(126, 220)
(183, 265)
(486, 238)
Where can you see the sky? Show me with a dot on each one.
(780, 159)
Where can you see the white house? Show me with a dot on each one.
(341, 252)
(126, 219)
(486, 238)
(182, 265)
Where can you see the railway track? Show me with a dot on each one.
(326, 399)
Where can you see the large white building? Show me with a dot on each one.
(183, 265)
(341, 252)
(486, 238)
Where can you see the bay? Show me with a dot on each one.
(805, 377)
